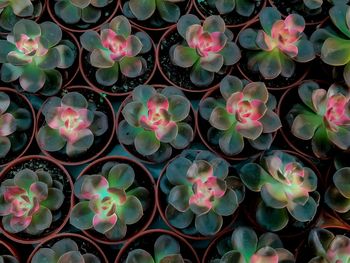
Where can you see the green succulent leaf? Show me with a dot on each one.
(185, 22)
(50, 139)
(341, 181)
(142, 9)
(270, 218)
(226, 205)
(179, 197)
(335, 51)
(245, 240)
(335, 200)
(164, 246)
(178, 219)
(268, 17)
(132, 210)
(51, 33)
(169, 12)
(82, 216)
(208, 224)
(303, 213)
(5, 146)
(121, 26)
(90, 40)
(231, 142)
(146, 143)
(139, 255)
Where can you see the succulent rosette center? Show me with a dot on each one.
(337, 112)
(117, 45)
(29, 46)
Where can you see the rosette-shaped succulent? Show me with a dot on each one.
(155, 121)
(242, 7)
(116, 51)
(74, 11)
(323, 118)
(329, 248)
(244, 246)
(242, 112)
(274, 50)
(286, 187)
(168, 10)
(71, 124)
(206, 48)
(109, 201)
(26, 201)
(8, 259)
(65, 250)
(166, 249)
(200, 191)
(14, 121)
(31, 54)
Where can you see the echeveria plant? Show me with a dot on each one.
(65, 250)
(155, 121)
(244, 246)
(14, 122)
(316, 4)
(8, 259)
(87, 11)
(115, 51)
(168, 10)
(71, 124)
(33, 53)
(166, 249)
(27, 201)
(207, 48)
(109, 201)
(241, 112)
(274, 49)
(323, 117)
(329, 248)
(200, 191)
(242, 7)
(286, 186)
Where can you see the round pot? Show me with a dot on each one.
(131, 149)
(145, 25)
(163, 59)
(146, 180)
(273, 84)
(146, 240)
(204, 13)
(228, 221)
(86, 245)
(113, 7)
(86, 68)
(30, 162)
(252, 200)
(202, 125)
(94, 151)
(7, 249)
(23, 101)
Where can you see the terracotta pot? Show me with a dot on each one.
(92, 154)
(94, 84)
(130, 148)
(161, 203)
(142, 24)
(149, 238)
(90, 248)
(70, 27)
(25, 103)
(149, 184)
(23, 238)
(304, 67)
(233, 13)
(10, 250)
(173, 30)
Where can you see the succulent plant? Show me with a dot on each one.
(109, 201)
(116, 51)
(74, 11)
(207, 48)
(155, 122)
(166, 249)
(329, 248)
(244, 246)
(31, 54)
(316, 4)
(242, 7)
(323, 117)
(200, 191)
(286, 186)
(274, 49)
(14, 121)
(27, 201)
(241, 112)
(64, 250)
(168, 10)
(8, 259)
(71, 124)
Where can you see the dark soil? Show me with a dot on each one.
(180, 76)
(56, 174)
(4, 251)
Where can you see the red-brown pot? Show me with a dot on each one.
(41, 237)
(94, 155)
(152, 188)
(10, 249)
(144, 235)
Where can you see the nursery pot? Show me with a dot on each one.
(7, 249)
(22, 101)
(35, 162)
(144, 179)
(85, 245)
(145, 240)
(105, 140)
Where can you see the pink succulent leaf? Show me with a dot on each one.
(103, 224)
(199, 170)
(214, 24)
(337, 112)
(167, 133)
(93, 185)
(212, 62)
(19, 224)
(339, 249)
(264, 41)
(193, 34)
(200, 203)
(250, 129)
(39, 190)
(28, 46)
(265, 255)
(7, 124)
(158, 102)
(12, 192)
(232, 102)
(319, 101)
(4, 102)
